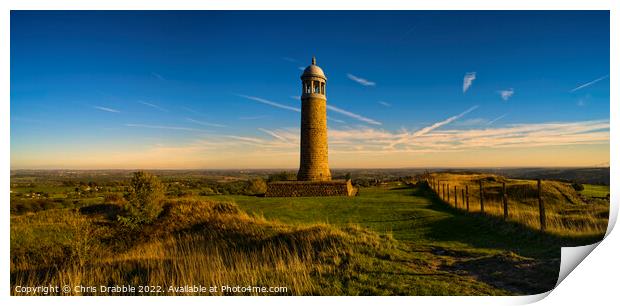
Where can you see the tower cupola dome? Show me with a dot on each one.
(313, 71)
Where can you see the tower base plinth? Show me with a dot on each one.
(334, 188)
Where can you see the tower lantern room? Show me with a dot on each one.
(313, 80)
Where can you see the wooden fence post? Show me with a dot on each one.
(443, 191)
(541, 208)
(456, 203)
(448, 194)
(463, 197)
(505, 200)
(467, 196)
(481, 198)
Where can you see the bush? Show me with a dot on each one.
(206, 192)
(577, 186)
(113, 198)
(256, 187)
(144, 199)
(282, 176)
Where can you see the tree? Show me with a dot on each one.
(145, 196)
(256, 186)
(577, 186)
(282, 176)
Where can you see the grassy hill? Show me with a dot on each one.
(389, 240)
(568, 212)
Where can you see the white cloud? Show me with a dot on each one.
(512, 136)
(106, 109)
(290, 59)
(246, 139)
(335, 120)
(295, 109)
(164, 127)
(468, 80)
(373, 144)
(153, 106)
(353, 115)
(386, 104)
(497, 119)
(589, 83)
(361, 81)
(368, 140)
(471, 122)
(205, 123)
(252, 117)
(506, 93)
(439, 124)
(191, 110)
(158, 76)
(271, 103)
(272, 133)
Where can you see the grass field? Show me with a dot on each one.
(426, 225)
(390, 240)
(595, 191)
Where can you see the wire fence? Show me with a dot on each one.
(520, 201)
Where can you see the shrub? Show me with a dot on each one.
(256, 187)
(113, 198)
(206, 192)
(282, 176)
(577, 186)
(144, 199)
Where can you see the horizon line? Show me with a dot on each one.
(291, 169)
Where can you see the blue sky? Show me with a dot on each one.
(220, 89)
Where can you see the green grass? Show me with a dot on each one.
(409, 214)
(599, 191)
(485, 248)
(44, 189)
(392, 240)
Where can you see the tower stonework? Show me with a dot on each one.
(313, 161)
(313, 178)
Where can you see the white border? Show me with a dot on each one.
(595, 280)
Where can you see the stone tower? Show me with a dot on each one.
(313, 164)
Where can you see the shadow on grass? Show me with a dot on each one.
(401, 187)
(109, 211)
(488, 231)
(529, 260)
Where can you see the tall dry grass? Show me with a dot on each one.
(200, 243)
(566, 213)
